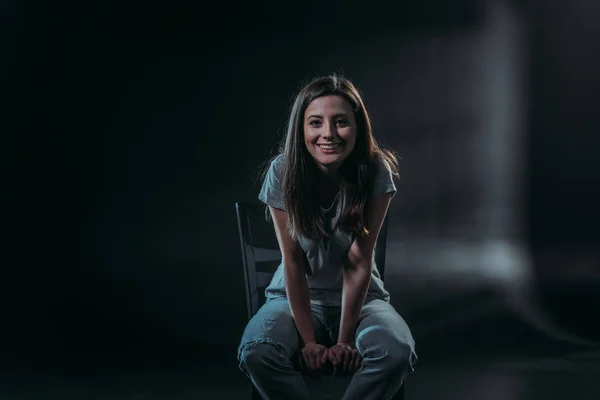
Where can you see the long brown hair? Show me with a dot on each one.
(357, 172)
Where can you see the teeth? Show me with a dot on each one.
(329, 146)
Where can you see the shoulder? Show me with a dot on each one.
(276, 166)
(383, 165)
(386, 165)
(384, 175)
(382, 168)
(278, 160)
(271, 192)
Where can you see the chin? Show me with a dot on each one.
(331, 161)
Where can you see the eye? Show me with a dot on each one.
(342, 122)
(315, 122)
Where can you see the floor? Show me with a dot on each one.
(491, 355)
(523, 368)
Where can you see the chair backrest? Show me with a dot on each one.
(261, 255)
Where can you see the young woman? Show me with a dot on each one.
(328, 192)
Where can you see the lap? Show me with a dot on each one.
(379, 324)
(273, 323)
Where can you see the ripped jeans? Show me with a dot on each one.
(382, 338)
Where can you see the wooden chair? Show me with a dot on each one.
(261, 257)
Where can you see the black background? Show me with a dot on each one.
(130, 129)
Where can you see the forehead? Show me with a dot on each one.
(328, 105)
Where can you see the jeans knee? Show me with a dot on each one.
(401, 358)
(391, 354)
(256, 355)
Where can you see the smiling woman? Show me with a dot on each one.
(328, 191)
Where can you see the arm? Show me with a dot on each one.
(296, 286)
(357, 271)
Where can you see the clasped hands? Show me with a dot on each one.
(312, 358)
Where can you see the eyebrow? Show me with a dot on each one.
(336, 115)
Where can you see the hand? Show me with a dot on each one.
(311, 358)
(345, 358)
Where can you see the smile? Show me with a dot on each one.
(329, 146)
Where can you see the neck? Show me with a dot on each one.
(329, 177)
(328, 187)
(329, 173)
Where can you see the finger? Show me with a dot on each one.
(359, 360)
(333, 360)
(332, 357)
(355, 363)
(347, 360)
(352, 363)
(352, 366)
(318, 374)
(313, 364)
(340, 363)
(324, 356)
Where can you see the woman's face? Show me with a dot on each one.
(329, 131)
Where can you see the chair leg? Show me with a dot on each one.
(255, 394)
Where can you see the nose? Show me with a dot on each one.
(330, 132)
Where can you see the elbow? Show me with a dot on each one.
(293, 256)
(359, 256)
(294, 268)
(359, 264)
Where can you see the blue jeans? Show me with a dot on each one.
(382, 338)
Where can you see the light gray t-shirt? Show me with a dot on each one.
(326, 256)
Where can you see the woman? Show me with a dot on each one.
(328, 192)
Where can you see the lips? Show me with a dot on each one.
(329, 146)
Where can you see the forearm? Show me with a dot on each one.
(296, 288)
(357, 277)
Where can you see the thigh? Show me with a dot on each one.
(378, 322)
(273, 323)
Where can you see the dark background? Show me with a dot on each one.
(131, 128)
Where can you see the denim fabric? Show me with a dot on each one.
(382, 338)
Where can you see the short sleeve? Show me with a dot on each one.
(384, 181)
(271, 192)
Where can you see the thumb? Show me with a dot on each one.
(332, 356)
(324, 356)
